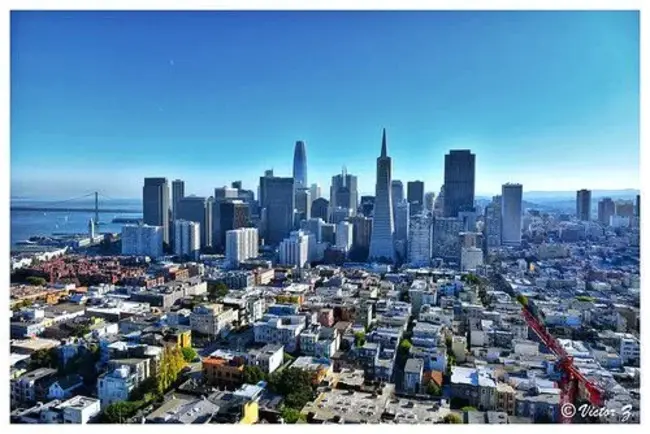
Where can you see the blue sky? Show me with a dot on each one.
(102, 99)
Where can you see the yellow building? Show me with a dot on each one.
(220, 371)
(180, 338)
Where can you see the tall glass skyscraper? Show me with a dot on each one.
(383, 229)
(300, 166)
(459, 182)
(155, 204)
(511, 210)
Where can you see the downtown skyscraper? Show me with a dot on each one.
(155, 204)
(511, 210)
(383, 229)
(460, 169)
(583, 205)
(300, 166)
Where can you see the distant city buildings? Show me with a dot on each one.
(155, 204)
(511, 214)
(397, 190)
(343, 192)
(344, 236)
(492, 228)
(320, 208)
(583, 205)
(187, 239)
(415, 196)
(178, 192)
(241, 244)
(429, 201)
(142, 240)
(420, 241)
(295, 250)
(315, 191)
(199, 210)
(606, 209)
(278, 201)
(460, 169)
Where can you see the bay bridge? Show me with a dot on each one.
(68, 206)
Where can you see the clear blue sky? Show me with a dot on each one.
(102, 99)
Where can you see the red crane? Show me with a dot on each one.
(572, 381)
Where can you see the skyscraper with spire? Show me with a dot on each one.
(300, 166)
(383, 228)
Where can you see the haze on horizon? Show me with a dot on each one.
(101, 100)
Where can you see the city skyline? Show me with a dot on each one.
(543, 112)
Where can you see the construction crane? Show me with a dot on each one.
(572, 382)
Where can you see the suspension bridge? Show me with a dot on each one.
(69, 206)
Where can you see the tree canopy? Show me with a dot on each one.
(36, 281)
(294, 384)
(291, 415)
(217, 290)
(253, 374)
(359, 339)
(452, 418)
(433, 389)
(171, 364)
(189, 354)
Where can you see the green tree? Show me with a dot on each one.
(171, 364)
(253, 374)
(189, 354)
(294, 384)
(36, 281)
(522, 299)
(48, 358)
(433, 389)
(468, 408)
(404, 347)
(217, 290)
(120, 412)
(452, 418)
(291, 415)
(359, 339)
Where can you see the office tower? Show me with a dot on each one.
(415, 196)
(469, 220)
(383, 229)
(303, 204)
(300, 166)
(237, 185)
(248, 197)
(492, 226)
(187, 239)
(313, 226)
(420, 241)
(470, 258)
(220, 195)
(403, 215)
(279, 202)
(314, 191)
(511, 210)
(328, 233)
(344, 236)
(241, 244)
(343, 192)
(446, 242)
(625, 209)
(199, 210)
(367, 205)
(142, 240)
(459, 182)
(320, 208)
(295, 249)
(233, 214)
(583, 205)
(439, 203)
(340, 214)
(397, 189)
(91, 229)
(361, 232)
(178, 192)
(155, 204)
(429, 201)
(606, 209)
(638, 205)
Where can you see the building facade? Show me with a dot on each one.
(242, 244)
(199, 210)
(142, 240)
(583, 205)
(511, 214)
(460, 169)
(295, 249)
(415, 196)
(155, 204)
(187, 239)
(383, 229)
